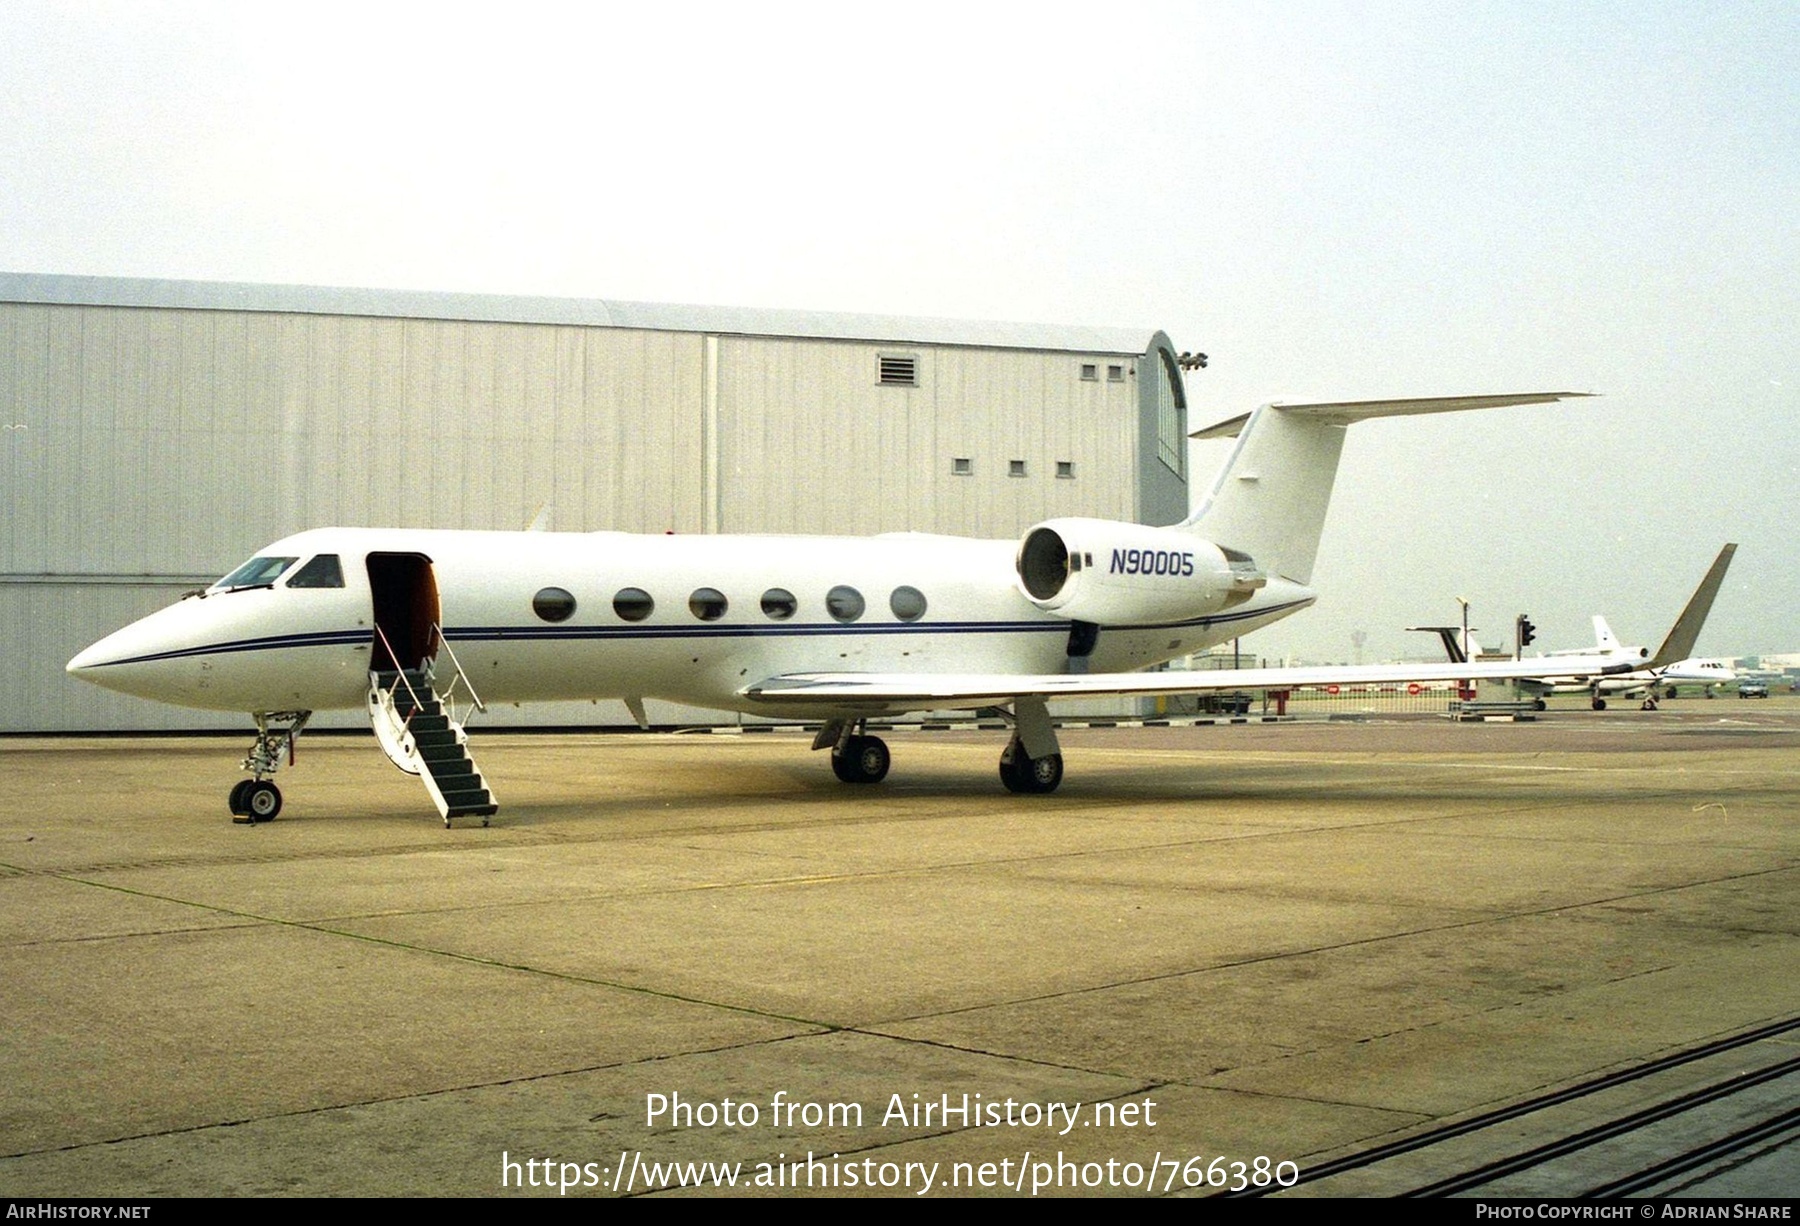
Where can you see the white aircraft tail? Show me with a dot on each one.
(1455, 650)
(1269, 499)
(1606, 643)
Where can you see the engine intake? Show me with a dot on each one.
(1116, 574)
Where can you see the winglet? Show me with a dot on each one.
(1680, 643)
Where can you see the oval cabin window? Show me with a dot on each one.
(553, 604)
(908, 603)
(633, 604)
(707, 603)
(844, 603)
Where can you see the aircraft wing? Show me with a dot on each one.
(1680, 643)
(926, 691)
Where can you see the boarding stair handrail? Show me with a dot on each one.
(461, 676)
(399, 679)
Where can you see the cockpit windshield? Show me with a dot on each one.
(323, 571)
(257, 572)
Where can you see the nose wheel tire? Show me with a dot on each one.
(255, 800)
(861, 759)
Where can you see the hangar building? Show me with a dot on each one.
(156, 433)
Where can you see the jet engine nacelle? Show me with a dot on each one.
(1114, 574)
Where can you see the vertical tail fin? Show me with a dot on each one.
(1605, 641)
(1269, 499)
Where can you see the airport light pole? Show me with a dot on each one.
(1462, 687)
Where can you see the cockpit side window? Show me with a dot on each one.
(257, 572)
(322, 571)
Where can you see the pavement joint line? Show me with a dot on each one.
(322, 924)
(416, 1096)
(1598, 770)
(596, 1068)
(1413, 1116)
(822, 1027)
(1012, 1057)
(494, 963)
(1223, 836)
(1280, 955)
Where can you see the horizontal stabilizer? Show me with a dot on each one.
(1347, 412)
(1680, 643)
(1452, 639)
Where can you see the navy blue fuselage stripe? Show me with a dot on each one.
(481, 634)
(322, 638)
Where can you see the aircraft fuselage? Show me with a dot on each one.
(540, 616)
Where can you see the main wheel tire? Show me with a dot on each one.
(1540, 705)
(863, 759)
(1599, 704)
(262, 801)
(1027, 775)
(1044, 775)
(1008, 775)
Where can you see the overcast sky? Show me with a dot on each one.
(1332, 200)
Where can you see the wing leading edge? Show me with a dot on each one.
(917, 691)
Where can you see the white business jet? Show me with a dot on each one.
(1648, 684)
(410, 623)
(1644, 678)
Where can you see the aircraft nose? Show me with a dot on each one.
(84, 662)
(140, 659)
(89, 663)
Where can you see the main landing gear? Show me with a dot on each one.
(1030, 765)
(858, 758)
(1022, 773)
(256, 799)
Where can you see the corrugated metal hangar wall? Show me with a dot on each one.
(157, 433)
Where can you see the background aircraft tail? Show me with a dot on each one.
(1452, 638)
(1605, 641)
(1269, 499)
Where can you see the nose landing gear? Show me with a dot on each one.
(256, 799)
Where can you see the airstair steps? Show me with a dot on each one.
(432, 743)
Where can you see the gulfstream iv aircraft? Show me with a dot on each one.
(840, 630)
